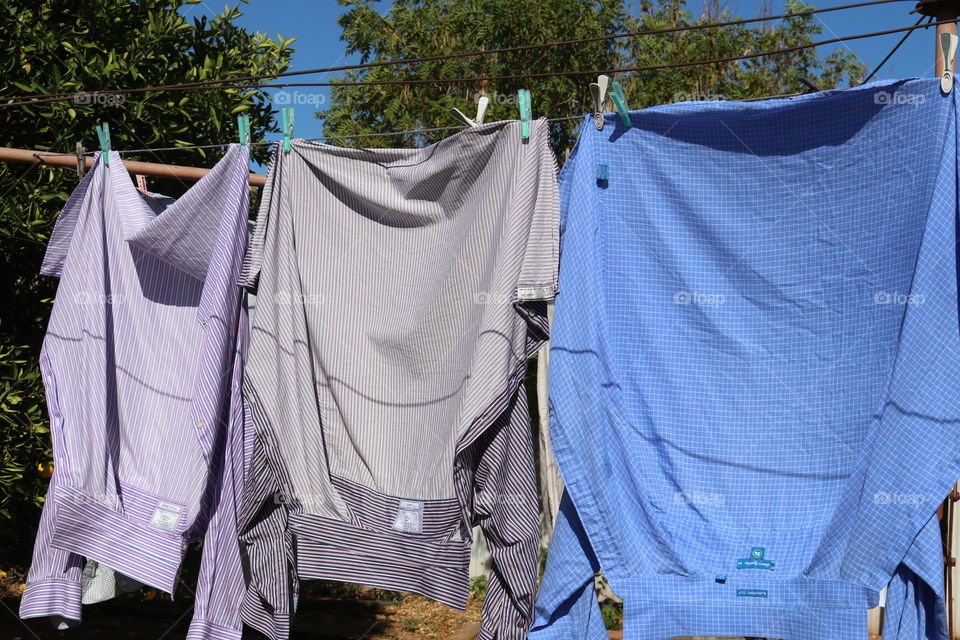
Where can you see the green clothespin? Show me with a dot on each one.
(103, 134)
(523, 98)
(286, 114)
(243, 127)
(620, 102)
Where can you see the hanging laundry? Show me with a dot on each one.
(755, 367)
(400, 293)
(142, 368)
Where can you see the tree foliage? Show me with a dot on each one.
(68, 46)
(419, 28)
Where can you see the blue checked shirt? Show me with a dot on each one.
(755, 368)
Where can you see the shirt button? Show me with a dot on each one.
(200, 423)
(203, 321)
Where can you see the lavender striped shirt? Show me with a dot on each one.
(400, 294)
(142, 364)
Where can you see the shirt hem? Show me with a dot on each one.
(657, 620)
(271, 623)
(378, 559)
(752, 605)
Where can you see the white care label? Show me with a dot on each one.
(166, 516)
(409, 516)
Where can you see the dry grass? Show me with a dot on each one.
(417, 618)
(12, 583)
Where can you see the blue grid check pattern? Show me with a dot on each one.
(755, 367)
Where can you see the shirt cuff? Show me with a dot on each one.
(206, 630)
(55, 598)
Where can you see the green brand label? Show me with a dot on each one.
(756, 560)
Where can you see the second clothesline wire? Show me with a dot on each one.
(353, 136)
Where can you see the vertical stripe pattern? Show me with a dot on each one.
(400, 293)
(143, 371)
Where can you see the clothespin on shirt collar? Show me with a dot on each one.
(620, 103)
(81, 161)
(482, 103)
(948, 53)
(243, 129)
(286, 115)
(103, 134)
(598, 90)
(523, 100)
(142, 183)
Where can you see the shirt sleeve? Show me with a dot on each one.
(54, 582)
(506, 509)
(567, 607)
(909, 462)
(250, 271)
(537, 279)
(270, 598)
(915, 594)
(59, 244)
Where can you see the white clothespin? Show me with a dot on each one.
(598, 90)
(948, 51)
(482, 103)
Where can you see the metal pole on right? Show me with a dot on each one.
(940, 10)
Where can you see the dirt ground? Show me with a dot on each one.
(146, 615)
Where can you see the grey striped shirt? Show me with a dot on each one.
(400, 294)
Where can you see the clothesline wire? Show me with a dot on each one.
(549, 74)
(349, 136)
(229, 82)
(545, 74)
(892, 51)
(269, 142)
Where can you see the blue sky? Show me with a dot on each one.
(313, 23)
